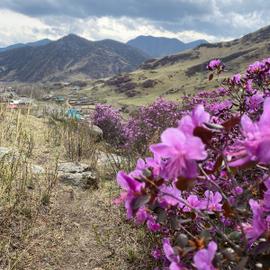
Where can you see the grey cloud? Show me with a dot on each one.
(212, 17)
(152, 9)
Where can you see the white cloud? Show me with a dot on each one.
(124, 29)
(15, 27)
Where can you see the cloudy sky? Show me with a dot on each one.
(214, 20)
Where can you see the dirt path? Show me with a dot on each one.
(83, 230)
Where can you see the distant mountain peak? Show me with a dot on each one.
(38, 43)
(161, 46)
(155, 37)
(73, 37)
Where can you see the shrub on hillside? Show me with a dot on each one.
(148, 122)
(110, 121)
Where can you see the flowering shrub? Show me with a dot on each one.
(138, 131)
(206, 188)
(110, 121)
(149, 122)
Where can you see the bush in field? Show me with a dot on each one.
(206, 188)
(149, 122)
(110, 121)
(140, 129)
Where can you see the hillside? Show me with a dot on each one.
(161, 46)
(174, 75)
(69, 57)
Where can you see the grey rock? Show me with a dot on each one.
(77, 174)
(36, 169)
(73, 167)
(96, 132)
(108, 160)
(4, 151)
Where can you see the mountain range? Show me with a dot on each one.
(29, 44)
(73, 57)
(69, 57)
(158, 47)
(182, 73)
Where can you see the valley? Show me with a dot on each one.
(170, 77)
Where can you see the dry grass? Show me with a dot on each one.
(47, 225)
(85, 231)
(23, 193)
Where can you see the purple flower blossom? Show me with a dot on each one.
(256, 146)
(249, 87)
(198, 117)
(215, 64)
(171, 256)
(238, 190)
(218, 107)
(156, 253)
(110, 121)
(152, 225)
(154, 118)
(257, 228)
(132, 187)
(212, 201)
(236, 79)
(141, 165)
(203, 258)
(266, 200)
(180, 153)
(141, 216)
(175, 159)
(194, 203)
(255, 67)
(254, 102)
(169, 195)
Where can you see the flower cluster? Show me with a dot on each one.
(110, 121)
(205, 189)
(215, 64)
(148, 123)
(138, 131)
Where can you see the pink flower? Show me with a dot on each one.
(254, 102)
(258, 227)
(171, 196)
(215, 64)
(266, 200)
(141, 216)
(152, 225)
(236, 79)
(198, 117)
(132, 187)
(203, 258)
(156, 253)
(212, 201)
(170, 255)
(179, 153)
(256, 67)
(194, 202)
(256, 146)
(238, 190)
(140, 167)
